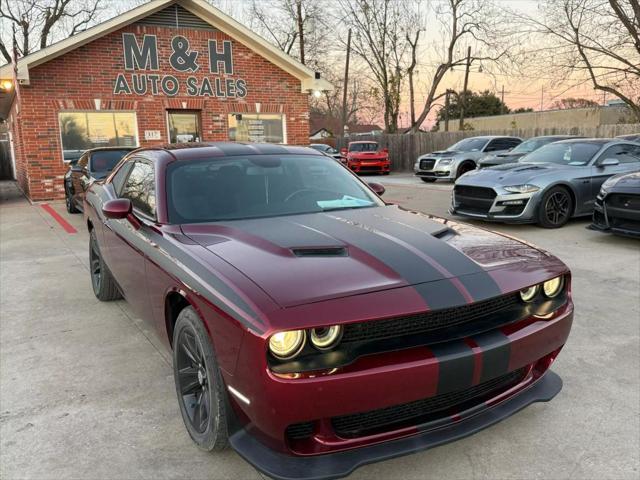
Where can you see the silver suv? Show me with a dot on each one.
(461, 157)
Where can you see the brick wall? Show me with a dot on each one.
(77, 79)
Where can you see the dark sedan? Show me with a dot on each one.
(617, 207)
(94, 164)
(520, 151)
(548, 186)
(315, 328)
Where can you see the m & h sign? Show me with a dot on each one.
(182, 59)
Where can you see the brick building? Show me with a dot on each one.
(167, 71)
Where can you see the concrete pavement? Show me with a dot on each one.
(86, 389)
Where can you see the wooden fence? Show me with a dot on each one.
(404, 149)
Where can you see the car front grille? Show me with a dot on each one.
(370, 168)
(299, 431)
(619, 200)
(427, 322)
(427, 164)
(424, 410)
(474, 199)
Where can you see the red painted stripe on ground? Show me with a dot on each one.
(56, 216)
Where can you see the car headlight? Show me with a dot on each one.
(286, 345)
(326, 337)
(445, 161)
(610, 182)
(553, 287)
(528, 294)
(526, 188)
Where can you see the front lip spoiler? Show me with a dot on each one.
(337, 465)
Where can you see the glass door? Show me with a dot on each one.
(184, 126)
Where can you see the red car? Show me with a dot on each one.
(367, 157)
(315, 328)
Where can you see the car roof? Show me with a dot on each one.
(106, 149)
(566, 137)
(595, 141)
(364, 141)
(189, 151)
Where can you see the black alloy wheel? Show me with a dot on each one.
(104, 286)
(193, 381)
(465, 167)
(199, 384)
(71, 208)
(555, 208)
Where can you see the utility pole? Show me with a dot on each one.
(541, 98)
(446, 110)
(463, 97)
(346, 83)
(502, 100)
(300, 29)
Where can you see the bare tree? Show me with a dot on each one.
(380, 31)
(595, 41)
(37, 23)
(295, 26)
(465, 21)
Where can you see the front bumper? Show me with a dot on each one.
(282, 466)
(504, 207)
(610, 218)
(434, 169)
(370, 166)
(383, 381)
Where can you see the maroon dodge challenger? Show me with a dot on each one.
(314, 327)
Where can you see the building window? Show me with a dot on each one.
(80, 131)
(257, 127)
(183, 126)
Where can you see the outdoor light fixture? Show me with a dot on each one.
(6, 85)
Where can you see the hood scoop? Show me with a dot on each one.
(320, 252)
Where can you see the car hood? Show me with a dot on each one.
(512, 173)
(302, 259)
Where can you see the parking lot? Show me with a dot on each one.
(87, 392)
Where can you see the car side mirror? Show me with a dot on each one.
(609, 162)
(377, 188)
(116, 209)
(343, 152)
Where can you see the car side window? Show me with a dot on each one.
(121, 175)
(140, 188)
(513, 142)
(496, 145)
(622, 153)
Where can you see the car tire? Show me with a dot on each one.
(71, 208)
(427, 179)
(465, 167)
(556, 208)
(202, 401)
(103, 283)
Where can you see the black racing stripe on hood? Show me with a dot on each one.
(412, 228)
(286, 233)
(407, 265)
(443, 294)
(481, 286)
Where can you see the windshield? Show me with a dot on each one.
(573, 153)
(105, 160)
(363, 147)
(259, 186)
(531, 145)
(469, 145)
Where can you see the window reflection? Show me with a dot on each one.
(80, 131)
(256, 127)
(140, 188)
